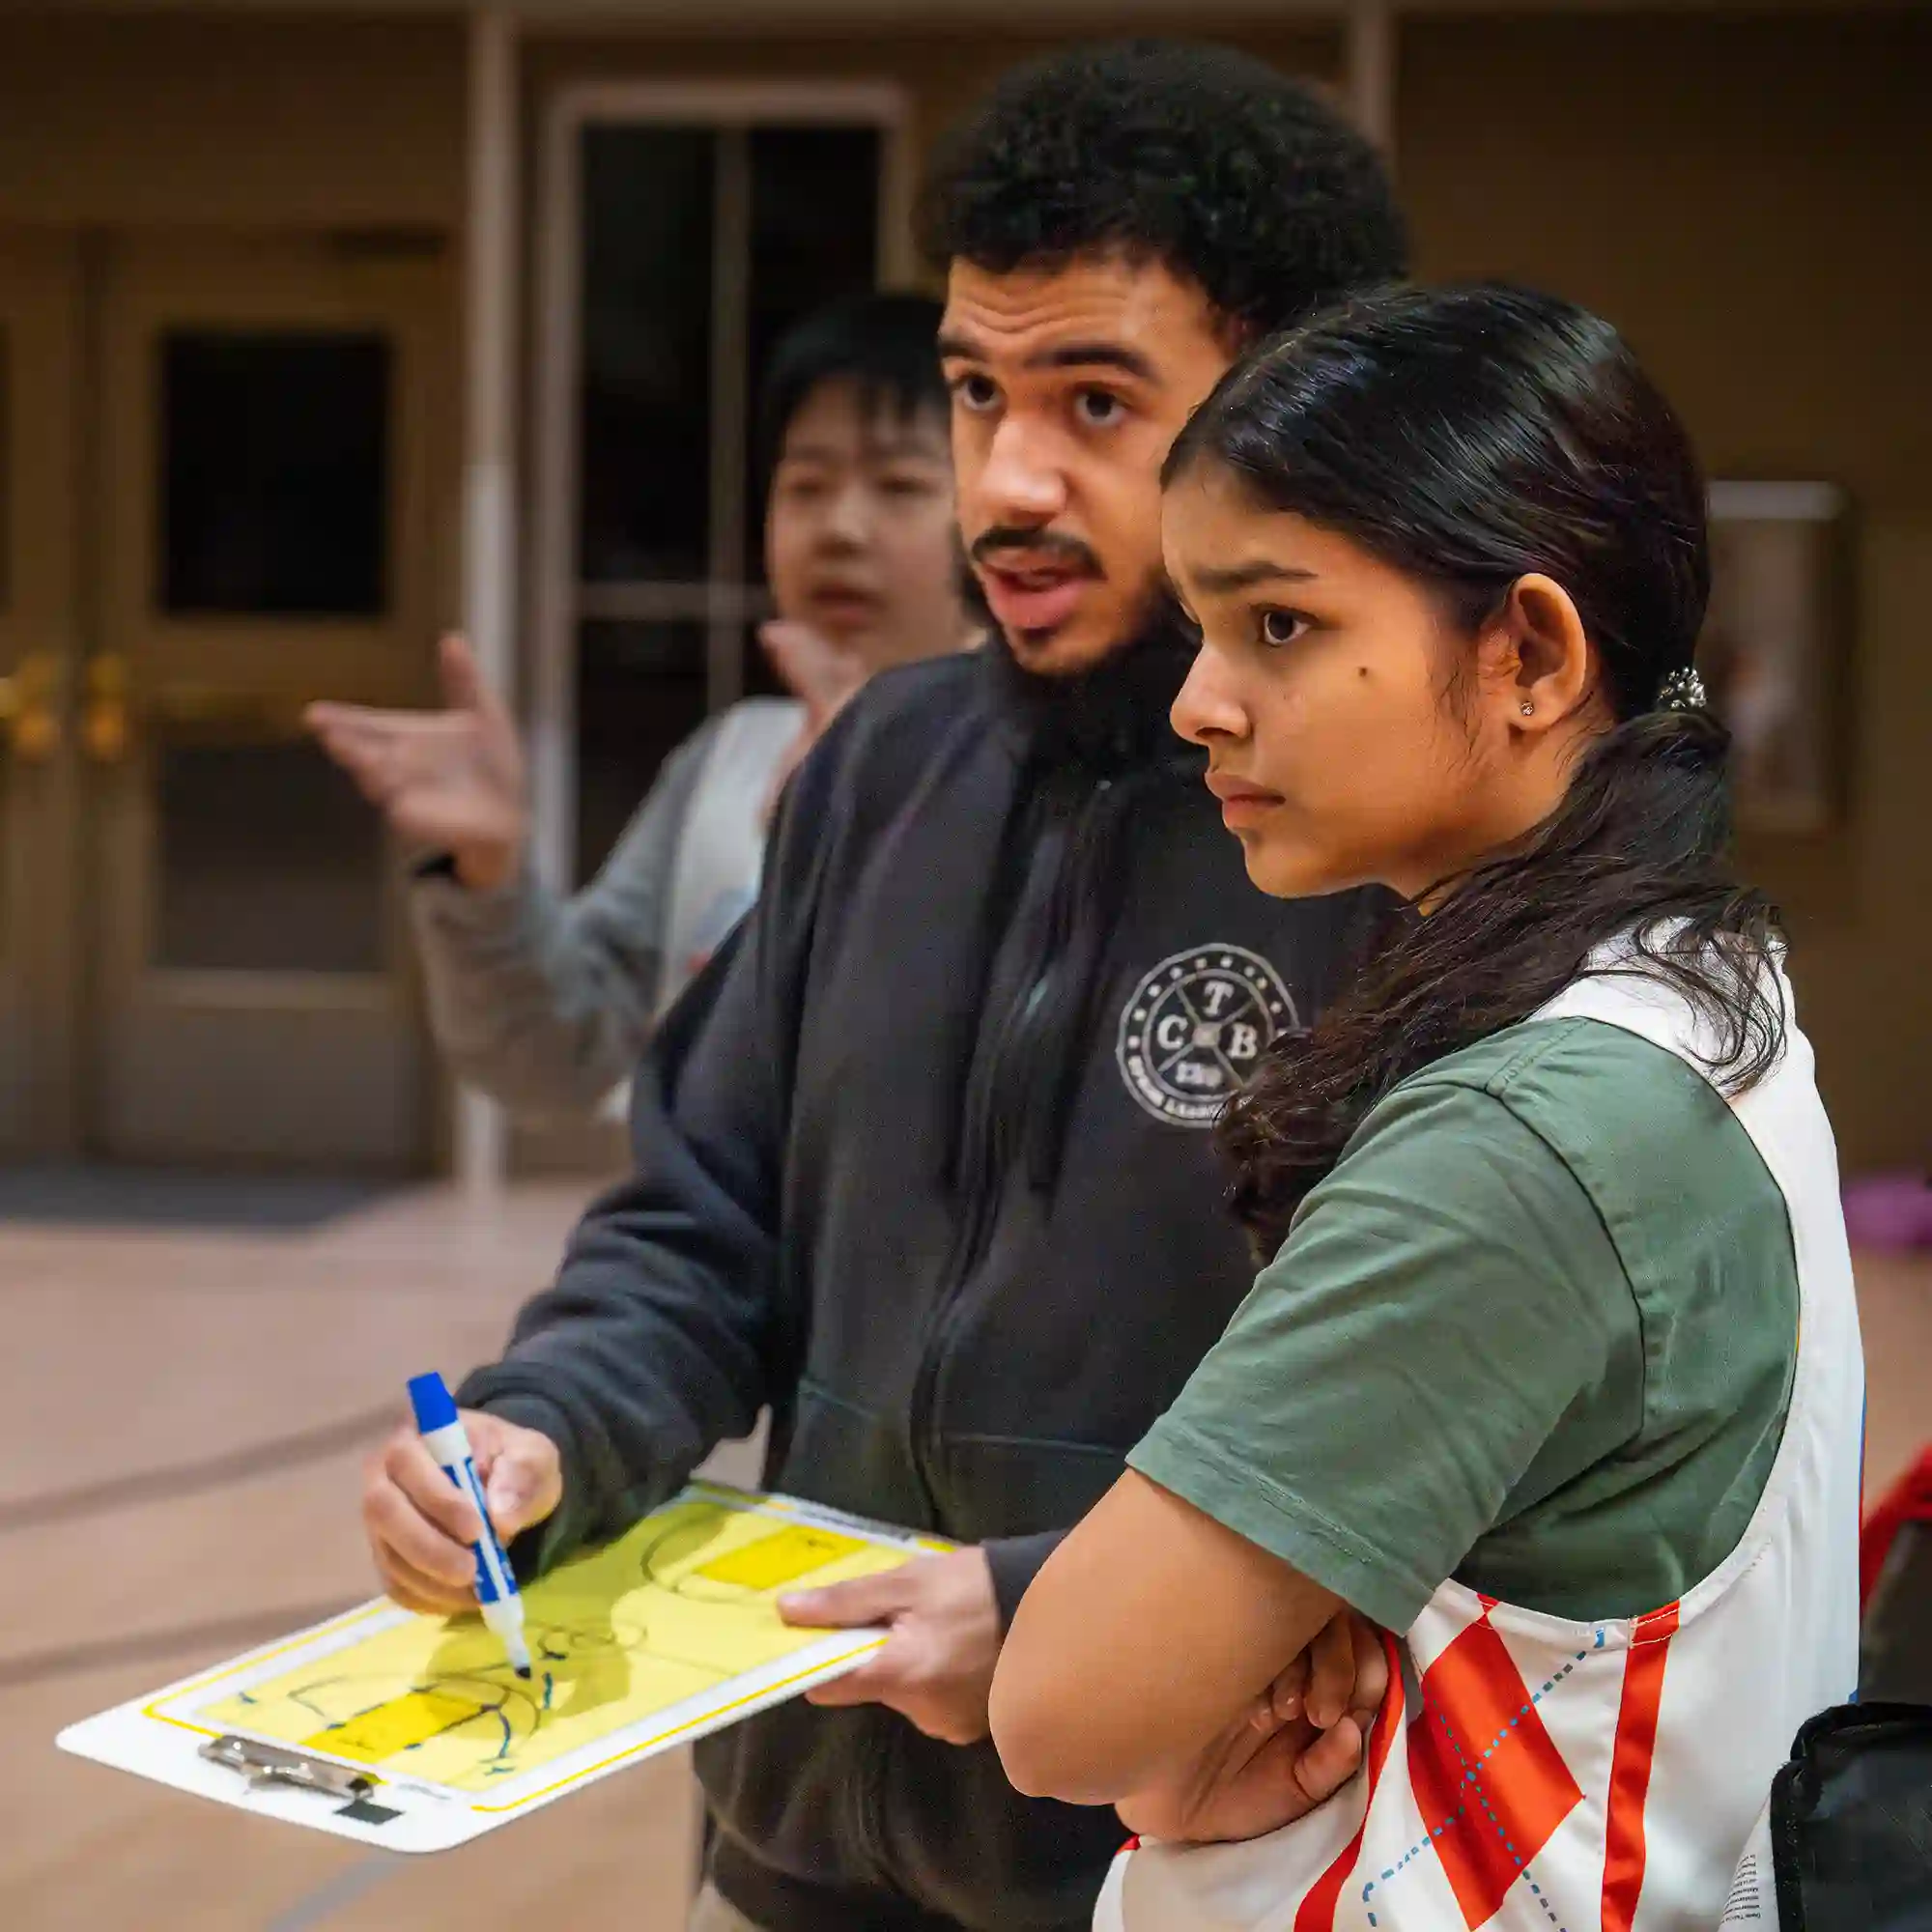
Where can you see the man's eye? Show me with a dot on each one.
(908, 483)
(1098, 408)
(977, 393)
(1282, 627)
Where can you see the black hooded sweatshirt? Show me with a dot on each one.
(921, 1164)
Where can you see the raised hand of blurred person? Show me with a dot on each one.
(817, 671)
(821, 675)
(420, 1525)
(449, 781)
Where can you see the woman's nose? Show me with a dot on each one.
(1207, 707)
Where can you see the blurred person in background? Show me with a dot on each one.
(545, 1003)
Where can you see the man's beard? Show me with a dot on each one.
(1112, 711)
(1156, 624)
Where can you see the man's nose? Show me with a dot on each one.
(1022, 481)
(1207, 707)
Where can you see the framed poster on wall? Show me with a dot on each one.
(1775, 651)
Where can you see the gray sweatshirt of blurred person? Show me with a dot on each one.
(545, 1003)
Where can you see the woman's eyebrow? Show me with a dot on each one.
(1220, 580)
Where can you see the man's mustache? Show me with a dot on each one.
(1000, 545)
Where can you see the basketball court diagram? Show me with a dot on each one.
(685, 1602)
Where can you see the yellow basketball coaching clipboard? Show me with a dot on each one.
(413, 1733)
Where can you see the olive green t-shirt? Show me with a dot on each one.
(1536, 1331)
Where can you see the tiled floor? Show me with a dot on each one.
(132, 1353)
(129, 1352)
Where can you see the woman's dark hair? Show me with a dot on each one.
(1211, 163)
(1468, 437)
(885, 344)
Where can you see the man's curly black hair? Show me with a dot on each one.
(1227, 172)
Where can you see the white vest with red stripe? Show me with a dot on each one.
(1535, 1774)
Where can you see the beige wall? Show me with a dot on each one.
(1749, 199)
(1752, 203)
(943, 68)
(230, 122)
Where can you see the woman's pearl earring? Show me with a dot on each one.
(1528, 709)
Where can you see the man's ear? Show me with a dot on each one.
(1233, 334)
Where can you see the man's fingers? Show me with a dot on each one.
(326, 717)
(386, 758)
(404, 1593)
(1331, 1673)
(417, 1474)
(1330, 1760)
(402, 1532)
(792, 650)
(358, 747)
(463, 686)
(864, 1600)
(409, 1586)
(873, 1683)
(820, 672)
(520, 1484)
(361, 725)
(431, 1516)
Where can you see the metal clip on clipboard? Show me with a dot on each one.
(265, 1765)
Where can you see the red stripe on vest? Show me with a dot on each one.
(1629, 1767)
(1489, 1783)
(1317, 1913)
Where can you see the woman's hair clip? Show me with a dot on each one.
(1682, 691)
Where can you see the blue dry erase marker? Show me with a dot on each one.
(443, 1435)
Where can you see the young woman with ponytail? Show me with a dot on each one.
(1552, 1371)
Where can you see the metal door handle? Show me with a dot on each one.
(103, 719)
(30, 708)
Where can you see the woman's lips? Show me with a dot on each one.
(1241, 804)
(1033, 599)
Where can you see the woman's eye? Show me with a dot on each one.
(1282, 627)
(1096, 409)
(977, 393)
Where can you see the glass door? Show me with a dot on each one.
(685, 231)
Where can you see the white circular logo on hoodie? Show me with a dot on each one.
(1196, 1028)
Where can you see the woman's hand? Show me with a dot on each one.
(1296, 1748)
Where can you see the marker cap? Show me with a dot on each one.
(432, 1402)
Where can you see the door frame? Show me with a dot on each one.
(47, 613)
